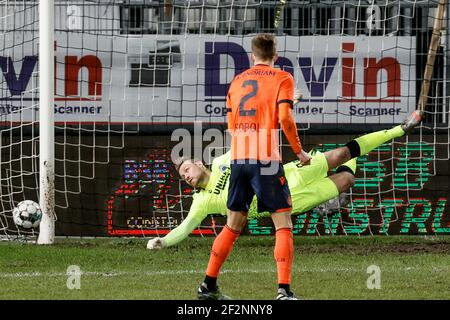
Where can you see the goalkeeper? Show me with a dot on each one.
(309, 185)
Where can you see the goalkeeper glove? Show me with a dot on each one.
(155, 244)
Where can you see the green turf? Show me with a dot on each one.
(325, 268)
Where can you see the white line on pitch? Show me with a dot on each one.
(175, 272)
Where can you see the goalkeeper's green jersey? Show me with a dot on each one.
(213, 199)
(308, 185)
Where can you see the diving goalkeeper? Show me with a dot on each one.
(309, 185)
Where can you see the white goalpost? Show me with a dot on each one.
(46, 122)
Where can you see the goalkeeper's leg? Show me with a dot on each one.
(366, 143)
(344, 178)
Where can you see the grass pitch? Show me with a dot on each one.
(325, 268)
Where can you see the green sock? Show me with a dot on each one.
(370, 141)
(351, 164)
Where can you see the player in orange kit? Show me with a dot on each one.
(258, 101)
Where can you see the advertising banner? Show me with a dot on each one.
(178, 79)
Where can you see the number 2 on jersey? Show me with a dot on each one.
(244, 99)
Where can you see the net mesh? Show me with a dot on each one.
(128, 73)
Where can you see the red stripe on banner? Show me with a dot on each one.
(125, 232)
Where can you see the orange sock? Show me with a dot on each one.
(220, 250)
(284, 254)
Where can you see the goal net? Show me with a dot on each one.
(129, 74)
(400, 186)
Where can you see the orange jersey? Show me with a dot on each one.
(253, 102)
